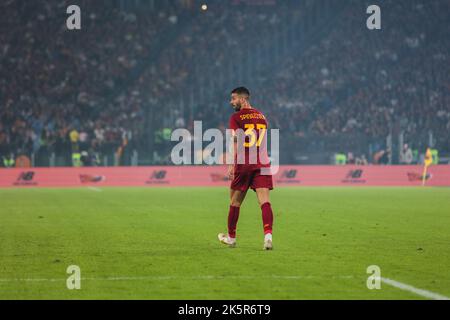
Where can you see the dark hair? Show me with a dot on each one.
(241, 91)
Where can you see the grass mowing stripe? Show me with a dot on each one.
(204, 277)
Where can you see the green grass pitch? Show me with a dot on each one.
(161, 243)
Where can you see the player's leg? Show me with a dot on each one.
(267, 215)
(237, 197)
(238, 191)
(262, 184)
(263, 195)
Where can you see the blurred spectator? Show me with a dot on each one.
(406, 156)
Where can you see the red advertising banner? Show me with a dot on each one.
(438, 175)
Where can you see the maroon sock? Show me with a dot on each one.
(233, 216)
(267, 217)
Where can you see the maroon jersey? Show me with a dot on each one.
(254, 125)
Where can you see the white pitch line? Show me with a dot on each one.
(95, 189)
(396, 284)
(205, 277)
(420, 292)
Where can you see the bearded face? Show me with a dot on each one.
(236, 101)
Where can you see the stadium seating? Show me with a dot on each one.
(131, 73)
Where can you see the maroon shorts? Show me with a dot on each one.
(251, 179)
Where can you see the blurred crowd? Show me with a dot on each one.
(373, 83)
(96, 90)
(56, 85)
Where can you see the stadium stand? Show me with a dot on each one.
(116, 90)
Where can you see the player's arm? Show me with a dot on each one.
(233, 125)
(232, 154)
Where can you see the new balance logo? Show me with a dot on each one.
(85, 178)
(354, 174)
(157, 177)
(26, 176)
(158, 174)
(25, 179)
(414, 176)
(289, 174)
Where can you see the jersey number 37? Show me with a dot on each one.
(250, 131)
